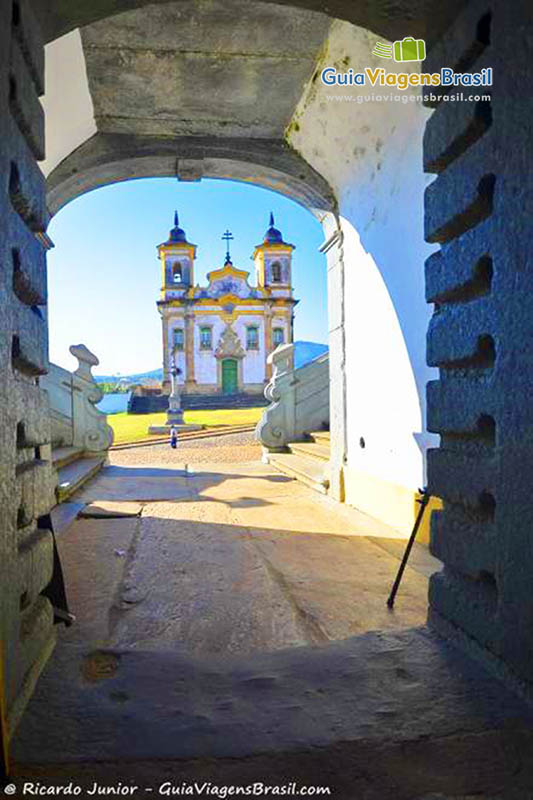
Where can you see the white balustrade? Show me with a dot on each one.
(299, 399)
(72, 397)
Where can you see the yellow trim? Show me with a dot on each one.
(259, 257)
(177, 248)
(389, 502)
(228, 298)
(220, 311)
(283, 303)
(280, 248)
(435, 504)
(394, 504)
(227, 269)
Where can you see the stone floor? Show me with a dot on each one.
(232, 627)
(235, 447)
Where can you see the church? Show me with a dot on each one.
(220, 335)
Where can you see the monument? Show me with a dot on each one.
(174, 411)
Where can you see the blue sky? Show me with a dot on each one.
(104, 274)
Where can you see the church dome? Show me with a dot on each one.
(177, 234)
(273, 236)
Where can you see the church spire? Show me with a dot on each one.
(273, 236)
(177, 234)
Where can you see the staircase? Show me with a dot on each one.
(306, 461)
(156, 403)
(74, 468)
(80, 434)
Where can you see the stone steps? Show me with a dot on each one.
(73, 475)
(306, 469)
(306, 461)
(312, 449)
(320, 437)
(158, 403)
(222, 401)
(62, 456)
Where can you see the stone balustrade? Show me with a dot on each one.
(299, 399)
(72, 397)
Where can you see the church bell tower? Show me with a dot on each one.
(177, 261)
(272, 260)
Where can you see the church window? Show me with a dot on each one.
(177, 273)
(206, 339)
(178, 338)
(276, 272)
(278, 336)
(252, 338)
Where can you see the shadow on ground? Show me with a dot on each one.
(236, 631)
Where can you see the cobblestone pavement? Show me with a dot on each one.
(233, 448)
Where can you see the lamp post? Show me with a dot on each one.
(174, 413)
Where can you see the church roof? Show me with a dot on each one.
(273, 235)
(177, 235)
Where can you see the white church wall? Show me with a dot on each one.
(281, 322)
(253, 370)
(179, 356)
(180, 363)
(205, 363)
(370, 152)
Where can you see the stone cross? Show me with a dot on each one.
(227, 237)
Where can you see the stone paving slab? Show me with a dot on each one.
(108, 509)
(215, 639)
(399, 713)
(94, 555)
(420, 559)
(64, 514)
(138, 483)
(252, 560)
(198, 584)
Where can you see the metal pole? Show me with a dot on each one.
(423, 503)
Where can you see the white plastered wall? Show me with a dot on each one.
(371, 154)
(253, 369)
(173, 322)
(67, 103)
(205, 363)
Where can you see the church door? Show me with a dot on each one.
(229, 376)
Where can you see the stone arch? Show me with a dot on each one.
(428, 19)
(106, 159)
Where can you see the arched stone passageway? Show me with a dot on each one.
(295, 146)
(136, 115)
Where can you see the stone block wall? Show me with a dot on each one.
(26, 632)
(479, 209)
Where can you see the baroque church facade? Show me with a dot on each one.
(219, 336)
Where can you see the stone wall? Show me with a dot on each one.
(479, 210)
(26, 482)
